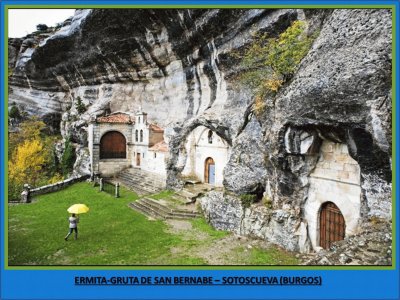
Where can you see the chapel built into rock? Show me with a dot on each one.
(119, 141)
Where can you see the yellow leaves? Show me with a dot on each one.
(259, 105)
(270, 62)
(56, 178)
(27, 162)
(273, 84)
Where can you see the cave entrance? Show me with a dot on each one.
(112, 145)
(209, 171)
(332, 225)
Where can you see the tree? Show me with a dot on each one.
(270, 62)
(14, 112)
(41, 27)
(80, 107)
(29, 129)
(68, 158)
(26, 165)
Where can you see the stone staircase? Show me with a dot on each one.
(140, 181)
(155, 209)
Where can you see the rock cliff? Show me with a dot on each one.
(178, 66)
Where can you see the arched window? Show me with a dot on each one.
(136, 135)
(139, 120)
(113, 145)
(141, 135)
(210, 136)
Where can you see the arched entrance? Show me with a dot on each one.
(332, 225)
(209, 171)
(113, 145)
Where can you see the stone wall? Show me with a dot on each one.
(27, 194)
(110, 167)
(105, 166)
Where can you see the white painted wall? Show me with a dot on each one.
(336, 178)
(198, 149)
(155, 164)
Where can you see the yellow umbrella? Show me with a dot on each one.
(78, 209)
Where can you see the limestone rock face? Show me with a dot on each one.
(341, 93)
(246, 170)
(225, 212)
(177, 65)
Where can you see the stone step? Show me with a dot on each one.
(141, 208)
(138, 190)
(152, 203)
(144, 185)
(139, 177)
(167, 210)
(151, 208)
(143, 176)
(149, 211)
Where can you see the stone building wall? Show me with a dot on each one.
(108, 167)
(336, 178)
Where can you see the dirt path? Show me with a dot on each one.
(228, 250)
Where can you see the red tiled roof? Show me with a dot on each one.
(160, 147)
(156, 128)
(115, 118)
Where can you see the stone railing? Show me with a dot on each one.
(28, 193)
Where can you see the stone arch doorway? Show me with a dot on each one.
(332, 225)
(112, 145)
(209, 171)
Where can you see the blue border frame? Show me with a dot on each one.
(59, 284)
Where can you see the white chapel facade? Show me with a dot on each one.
(121, 140)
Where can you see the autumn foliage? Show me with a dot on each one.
(31, 158)
(270, 62)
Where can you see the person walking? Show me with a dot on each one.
(73, 226)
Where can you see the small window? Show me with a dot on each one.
(139, 120)
(210, 137)
(136, 135)
(141, 135)
(155, 155)
(143, 155)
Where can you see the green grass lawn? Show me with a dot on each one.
(111, 233)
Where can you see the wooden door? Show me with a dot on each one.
(138, 159)
(332, 225)
(209, 171)
(113, 145)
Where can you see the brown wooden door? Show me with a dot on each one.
(332, 225)
(138, 159)
(209, 171)
(113, 145)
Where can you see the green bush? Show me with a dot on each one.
(248, 199)
(41, 27)
(68, 158)
(80, 107)
(270, 62)
(14, 113)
